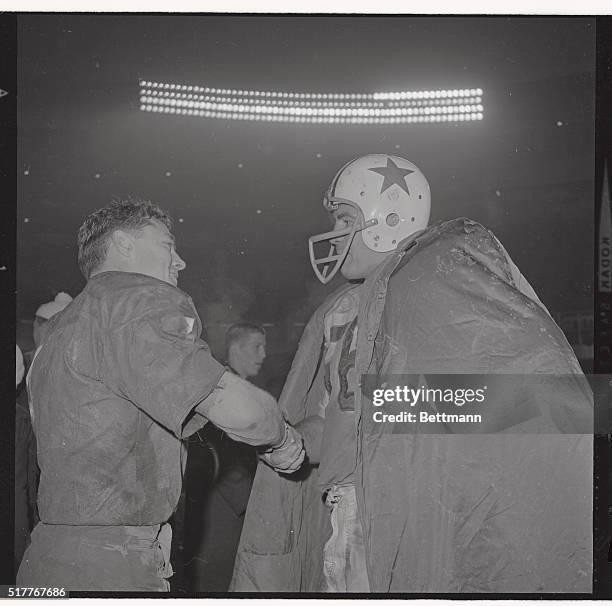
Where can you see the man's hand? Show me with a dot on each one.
(288, 456)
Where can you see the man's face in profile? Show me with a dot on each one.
(155, 253)
(247, 355)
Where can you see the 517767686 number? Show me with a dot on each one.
(33, 592)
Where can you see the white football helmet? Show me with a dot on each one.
(393, 200)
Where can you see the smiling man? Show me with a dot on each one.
(120, 378)
(399, 507)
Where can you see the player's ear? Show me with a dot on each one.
(122, 242)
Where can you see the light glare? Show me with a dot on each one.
(393, 107)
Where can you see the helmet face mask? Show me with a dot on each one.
(330, 262)
(392, 199)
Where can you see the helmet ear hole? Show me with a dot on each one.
(392, 219)
(412, 219)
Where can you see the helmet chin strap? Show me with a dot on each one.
(331, 263)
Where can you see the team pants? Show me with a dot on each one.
(98, 558)
(344, 556)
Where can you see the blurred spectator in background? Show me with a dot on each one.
(19, 366)
(26, 467)
(26, 470)
(215, 510)
(246, 349)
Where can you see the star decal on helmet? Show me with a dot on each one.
(394, 175)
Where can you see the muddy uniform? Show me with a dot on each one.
(344, 552)
(113, 390)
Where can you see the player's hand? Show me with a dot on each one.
(288, 456)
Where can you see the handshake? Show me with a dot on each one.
(251, 415)
(288, 456)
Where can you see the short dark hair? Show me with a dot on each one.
(130, 214)
(236, 332)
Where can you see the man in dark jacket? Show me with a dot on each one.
(120, 378)
(215, 512)
(495, 499)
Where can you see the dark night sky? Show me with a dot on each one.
(517, 172)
